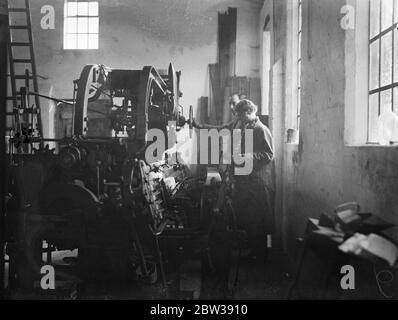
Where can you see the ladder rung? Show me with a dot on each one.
(26, 111)
(17, 94)
(23, 76)
(21, 44)
(22, 60)
(12, 98)
(19, 27)
(17, 10)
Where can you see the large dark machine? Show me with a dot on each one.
(95, 193)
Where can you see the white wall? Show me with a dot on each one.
(145, 32)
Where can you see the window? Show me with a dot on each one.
(383, 62)
(266, 70)
(299, 37)
(293, 71)
(81, 25)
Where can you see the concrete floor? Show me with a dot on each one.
(190, 279)
(257, 280)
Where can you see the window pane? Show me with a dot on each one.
(78, 28)
(93, 9)
(300, 16)
(72, 9)
(299, 73)
(395, 109)
(299, 45)
(82, 41)
(385, 101)
(374, 65)
(82, 25)
(374, 17)
(70, 41)
(396, 55)
(373, 116)
(386, 13)
(70, 25)
(386, 59)
(396, 11)
(93, 25)
(93, 41)
(298, 102)
(82, 8)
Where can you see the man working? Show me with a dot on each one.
(252, 198)
(234, 100)
(253, 202)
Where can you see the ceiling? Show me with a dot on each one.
(190, 22)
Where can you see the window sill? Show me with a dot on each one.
(372, 145)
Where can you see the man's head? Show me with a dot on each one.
(246, 110)
(234, 99)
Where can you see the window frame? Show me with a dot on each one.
(379, 89)
(78, 15)
(299, 36)
(294, 59)
(356, 64)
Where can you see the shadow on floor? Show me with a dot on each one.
(257, 280)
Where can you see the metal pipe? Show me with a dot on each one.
(50, 98)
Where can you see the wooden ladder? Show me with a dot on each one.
(29, 115)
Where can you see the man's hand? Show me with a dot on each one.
(244, 158)
(247, 157)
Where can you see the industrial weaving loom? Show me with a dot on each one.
(94, 191)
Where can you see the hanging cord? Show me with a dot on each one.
(381, 282)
